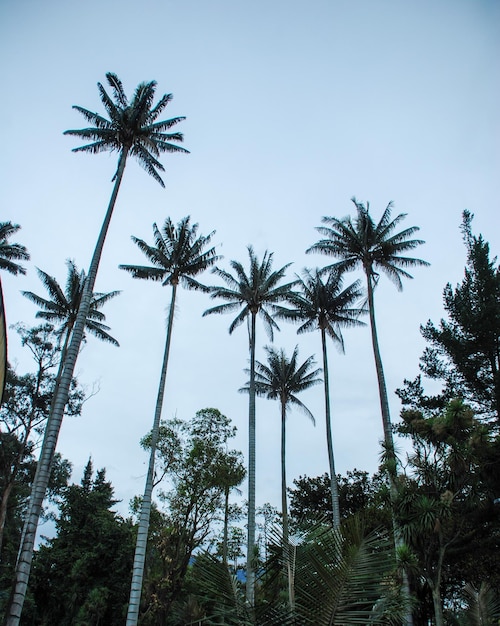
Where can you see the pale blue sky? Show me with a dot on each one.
(292, 108)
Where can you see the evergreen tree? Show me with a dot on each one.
(81, 576)
(464, 350)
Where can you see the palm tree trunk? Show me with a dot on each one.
(284, 510)
(226, 526)
(53, 426)
(250, 574)
(334, 487)
(390, 452)
(143, 527)
(382, 388)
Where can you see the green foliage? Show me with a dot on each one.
(81, 576)
(359, 494)
(342, 576)
(444, 507)
(194, 457)
(462, 350)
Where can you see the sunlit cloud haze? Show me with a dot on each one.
(292, 108)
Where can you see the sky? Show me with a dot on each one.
(292, 108)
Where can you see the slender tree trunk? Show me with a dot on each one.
(250, 574)
(53, 426)
(226, 526)
(382, 388)
(334, 487)
(388, 438)
(142, 531)
(284, 510)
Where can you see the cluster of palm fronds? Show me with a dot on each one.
(340, 577)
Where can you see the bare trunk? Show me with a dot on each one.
(142, 532)
(334, 488)
(390, 453)
(284, 510)
(52, 429)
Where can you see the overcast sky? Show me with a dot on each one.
(292, 108)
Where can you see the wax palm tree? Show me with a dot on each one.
(177, 255)
(373, 247)
(254, 293)
(325, 306)
(282, 379)
(10, 252)
(131, 130)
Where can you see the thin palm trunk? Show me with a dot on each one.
(250, 573)
(53, 427)
(284, 509)
(226, 526)
(388, 438)
(142, 532)
(334, 487)
(382, 388)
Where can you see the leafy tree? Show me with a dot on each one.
(362, 242)
(359, 494)
(131, 130)
(80, 576)
(196, 461)
(464, 351)
(443, 503)
(11, 252)
(26, 408)
(254, 293)
(326, 306)
(178, 255)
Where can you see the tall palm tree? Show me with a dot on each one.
(254, 293)
(177, 255)
(282, 379)
(373, 247)
(10, 252)
(326, 306)
(131, 130)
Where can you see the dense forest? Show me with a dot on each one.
(416, 543)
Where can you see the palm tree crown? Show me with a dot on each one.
(255, 293)
(324, 304)
(178, 255)
(373, 246)
(62, 305)
(282, 378)
(132, 126)
(10, 252)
